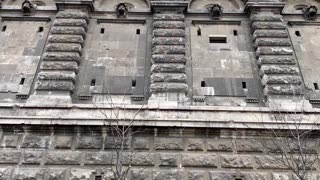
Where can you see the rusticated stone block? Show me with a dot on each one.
(199, 160)
(32, 157)
(281, 176)
(268, 162)
(64, 47)
(63, 157)
(274, 51)
(167, 174)
(220, 145)
(68, 30)
(63, 142)
(168, 49)
(56, 174)
(276, 79)
(195, 144)
(168, 77)
(57, 75)
(168, 32)
(59, 38)
(168, 41)
(10, 141)
(265, 17)
(236, 161)
(276, 69)
(55, 85)
(196, 175)
(168, 24)
(141, 174)
(168, 67)
(168, 144)
(255, 176)
(175, 17)
(168, 87)
(47, 65)
(168, 159)
(9, 157)
(250, 145)
(89, 142)
(36, 141)
(28, 174)
(141, 143)
(270, 33)
(276, 60)
(70, 22)
(268, 25)
(73, 15)
(81, 174)
(116, 143)
(140, 159)
(272, 42)
(61, 56)
(100, 158)
(5, 173)
(167, 58)
(221, 175)
(283, 89)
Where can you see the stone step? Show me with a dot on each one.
(61, 56)
(73, 15)
(283, 90)
(168, 25)
(57, 75)
(54, 85)
(267, 17)
(64, 47)
(168, 87)
(59, 38)
(71, 22)
(59, 65)
(281, 79)
(276, 50)
(176, 17)
(167, 49)
(278, 69)
(168, 41)
(276, 60)
(270, 34)
(271, 42)
(68, 30)
(169, 33)
(170, 68)
(168, 77)
(167, 58)
(268, 25)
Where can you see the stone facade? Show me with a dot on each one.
(201, 80)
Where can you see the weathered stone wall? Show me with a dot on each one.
(61, 152)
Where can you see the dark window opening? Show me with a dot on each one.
(138, 31)
(237, 179)
(298, 33)
(93, 82)
(133, 83)
(218, 39)
(203, 84)
(244, 85)
(4, 28)
(316, 86)
(102, 31)
(199, 32)
(98, 178)
(235, 32)
(40, 29)
(22, 81)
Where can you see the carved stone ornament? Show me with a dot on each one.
(310, 13)
(215, 11)
(121, 10)
(27, 7)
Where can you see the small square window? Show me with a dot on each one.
(199, 32)
(203, 84)
(93, 82)
(218, 39)
(235, 32)
(298, 33)
(133, 83)
(316, 86)
(102, 31)
(40, 29)
(4, 28)
(244, 85)
(138, 31)
(22, 81)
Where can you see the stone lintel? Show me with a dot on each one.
(167, 6)
(64, 4)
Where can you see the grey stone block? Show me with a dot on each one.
(281, 79)
(199, 160)
(141, 143)
(160, 58)
(81, 174)
(57, 75)
(281, 176)
(168, 77)
(175, 17)
(116, 143)
(168, 24)
(89, 142)
(51, 65)
(276, 60)
(168, 32)
(55, 85)
(236, 161)
(220, 145)
(259, 17)
(63, 157)
(32, 157)
(221, 175)
(167, 174)
(36, 141)
(9, 157)
(168, 41)
(168, 49)
(168, 144)
(195, 144)
(283, 89)
(168, 67)
(272, 42)
(10, 141)
(28, 174)
(5, 173)
(270, 33)
(274, 51)
(56, 174)
(63, 142)
(141, 174)
(70, 22)
(256, 176)
(73, 15)
(278, 69)
(58, 38)
(268, 25)
(196, 175)
(68, 30)
(268, 162)
(64, 47)
(251, 145)
(168, 87)
(140, 159)
(99, 158)
(168, 159)
(61, 56)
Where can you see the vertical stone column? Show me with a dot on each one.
(168, 77)
(277, 63)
